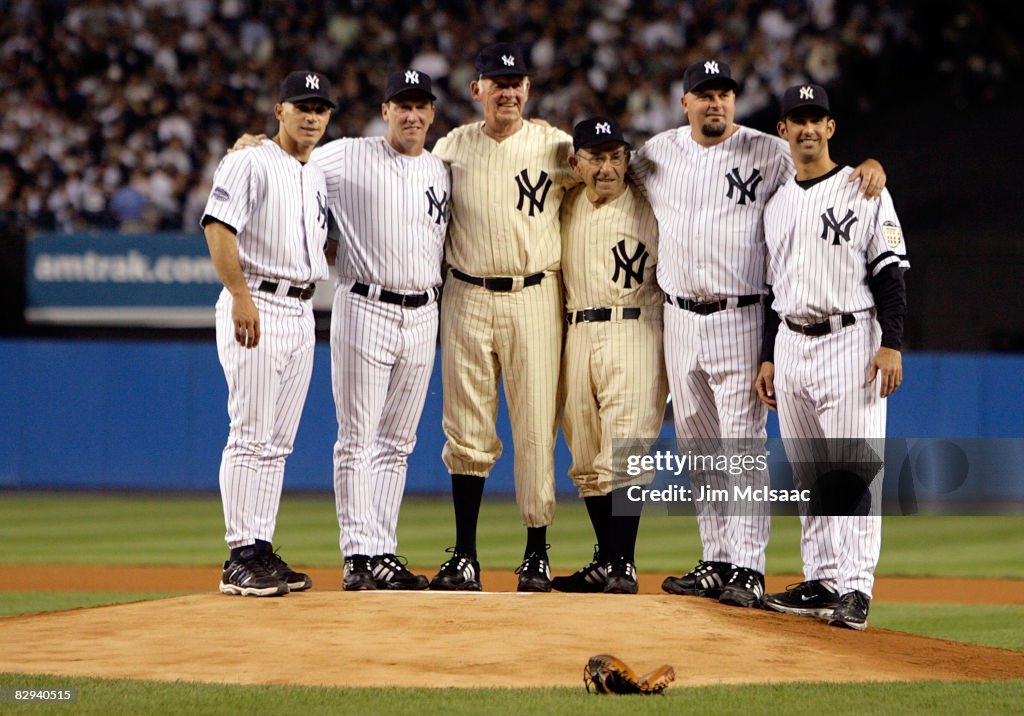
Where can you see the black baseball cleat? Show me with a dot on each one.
(534, 574)
(744, 588)
(390, 572)
(852, 611)
(358, 576)
(249, 576)
(297, 581)
(704, 580)
(806, 599)
(621, 577)
(460, 573)
(589, 578)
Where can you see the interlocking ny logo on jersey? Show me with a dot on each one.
(312, 82)
(631, 266)
(321, 205)
(840, 229)
(439, 203)
(536, 193)
(747, 188)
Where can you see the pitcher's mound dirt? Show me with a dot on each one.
(429, 639)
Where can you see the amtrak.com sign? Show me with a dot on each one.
(162, 280)
(116, 279)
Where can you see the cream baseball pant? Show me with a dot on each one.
(615, 388)
(381, 359)
(823, 395)
(267, 388)
(514, 336)
(712, 361)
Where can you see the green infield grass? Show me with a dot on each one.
(111, 529)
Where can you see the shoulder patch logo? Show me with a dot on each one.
(220, 194)
(892, 233)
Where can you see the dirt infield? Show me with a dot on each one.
(336, 638)
(497, 638)
(922, 590)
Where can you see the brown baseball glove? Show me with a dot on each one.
(608, 674)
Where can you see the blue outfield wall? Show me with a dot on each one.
(151, 415)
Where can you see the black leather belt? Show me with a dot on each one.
(591, 315)
(502, 284)
(303, 293)
(405, 300)
(705, 308)
(823, 328)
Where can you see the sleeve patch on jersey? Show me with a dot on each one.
(220, 193)
(893, 234)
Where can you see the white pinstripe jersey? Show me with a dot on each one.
(609, 252)
(505, 198)
(710, 202)
(824, 244)
(392, 212)
(278, 208)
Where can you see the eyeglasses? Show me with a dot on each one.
(617, 158)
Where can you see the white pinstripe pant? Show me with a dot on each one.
(822, 391)
(712, 362)
(267, 388)
(381, 359)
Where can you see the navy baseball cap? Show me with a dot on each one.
(707, 72)
(596, 131)
(408, 81)
(503, 58)
(805, 95)
(306, 84)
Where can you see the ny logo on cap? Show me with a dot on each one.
(509, 60)
(312, 82)
(602, 128)
(711, 67)
(412, 77)
(806, 93)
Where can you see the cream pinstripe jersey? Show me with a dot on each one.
(505, 199)
(825, 242)
(391, 209)
(710, 202)
(278, 208)
(609, 253)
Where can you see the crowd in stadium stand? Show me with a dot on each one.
(114, 113)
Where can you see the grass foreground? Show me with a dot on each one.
(101, 696)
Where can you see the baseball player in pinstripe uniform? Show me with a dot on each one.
(708, 184)
(502, 310)
(266, 226)
(836, 264)
(390, 199)
(613, 365)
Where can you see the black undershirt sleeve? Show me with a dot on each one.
(890, 293)
(772, 321)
